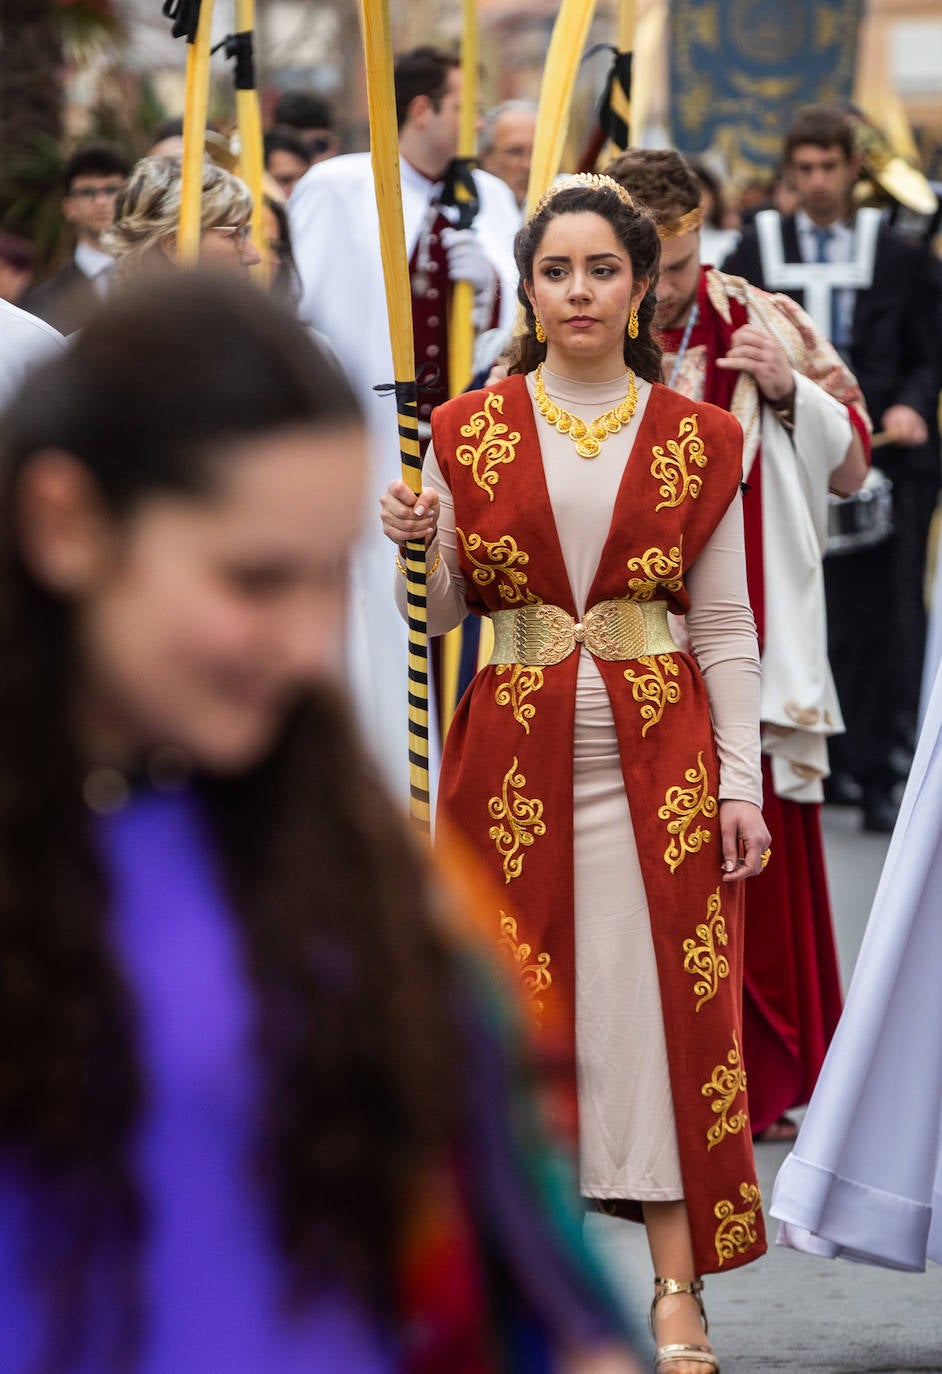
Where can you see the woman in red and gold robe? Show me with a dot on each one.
(612, 794)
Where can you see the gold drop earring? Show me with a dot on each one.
(538, 328)
(633, 324)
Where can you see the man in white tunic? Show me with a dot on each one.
(335, 228)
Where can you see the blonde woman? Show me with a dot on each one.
(147, 214)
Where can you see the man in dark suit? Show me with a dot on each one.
(91, 179)
(872, 293)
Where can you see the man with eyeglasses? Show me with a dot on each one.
(92, 179)
(505, 145)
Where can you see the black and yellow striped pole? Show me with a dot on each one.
(384, 145)
(192, 20)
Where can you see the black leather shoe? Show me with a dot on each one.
(840, 789)
(880, 812)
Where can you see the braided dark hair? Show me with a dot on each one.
(635, 230)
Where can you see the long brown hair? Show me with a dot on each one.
(635, 230)
(349, 973)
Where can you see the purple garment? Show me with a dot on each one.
(211, 1274)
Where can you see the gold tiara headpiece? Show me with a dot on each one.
(592, 181)
(673, 228)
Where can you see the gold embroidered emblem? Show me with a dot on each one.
(726, 1083)
(495, 444)
(523, 682)
(534, 973)
(521, 821)
(652, 690)
(682, 806)
(737, 1230)
(504, 561)
(672, 469)
(704, 960)
(660, 570)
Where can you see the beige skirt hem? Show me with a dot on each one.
(641, 1195)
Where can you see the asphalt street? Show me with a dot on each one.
(790, 1311)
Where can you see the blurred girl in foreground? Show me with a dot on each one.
(253, 1115)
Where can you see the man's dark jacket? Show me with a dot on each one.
(894, 350)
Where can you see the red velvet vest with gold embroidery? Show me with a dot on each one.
(507, 771)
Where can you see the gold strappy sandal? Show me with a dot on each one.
(666, 1355)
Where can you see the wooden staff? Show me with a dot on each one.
(567, 45)
(194, 135)
(251, 153)
(384, 145)
(460, 328)
(627, 19)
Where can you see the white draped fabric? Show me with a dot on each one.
(335, 233)
(24, 342)
(799, 701)
(865, 1178)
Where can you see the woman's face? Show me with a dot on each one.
(206, 617)
(583, 290)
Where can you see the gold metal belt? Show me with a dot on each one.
(538, 636)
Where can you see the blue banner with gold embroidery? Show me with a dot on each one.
(740, 68)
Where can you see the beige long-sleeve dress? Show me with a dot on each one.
(628, 1145)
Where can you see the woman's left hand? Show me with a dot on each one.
(745, 837)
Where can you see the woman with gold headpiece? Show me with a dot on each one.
(614, 795)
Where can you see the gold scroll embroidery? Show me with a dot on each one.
(660, 570)
(726, 1083)
(652, 688)
(521, 821)
(704, 959)
(737, 1230)
(682, 805)
(672, 469)
(504, 560)
(534, 973)
(496, 444)
(523, 682)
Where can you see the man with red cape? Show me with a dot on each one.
(806, 433)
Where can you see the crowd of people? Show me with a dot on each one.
(242, 1013)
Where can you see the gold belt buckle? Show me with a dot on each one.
(543, 634)
(616, 630)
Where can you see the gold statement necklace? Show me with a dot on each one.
(588, 438)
